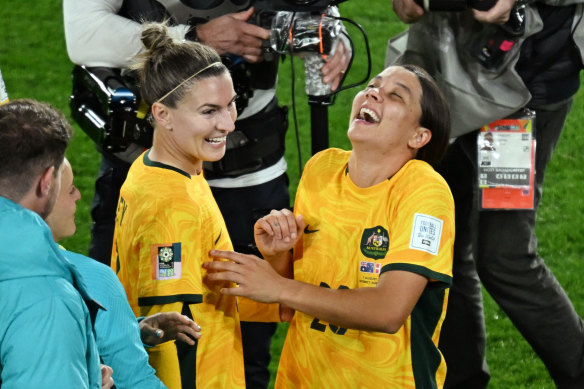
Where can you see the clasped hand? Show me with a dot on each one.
(275, 235)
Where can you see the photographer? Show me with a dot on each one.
(536, 66)
(251, 179)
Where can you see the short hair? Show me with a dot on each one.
(33, 137)
(167, 63)
(435, 117)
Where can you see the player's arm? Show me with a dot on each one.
(383, 308)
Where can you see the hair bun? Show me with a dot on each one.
(155, 36)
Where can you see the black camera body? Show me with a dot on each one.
(455, 5)
(107, 110)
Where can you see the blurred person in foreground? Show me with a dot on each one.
(119, 339)
(46, 334)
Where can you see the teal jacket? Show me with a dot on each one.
(46, 335)
(116, 327)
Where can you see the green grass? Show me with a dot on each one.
(34, 64)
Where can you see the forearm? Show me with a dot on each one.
(383, 308)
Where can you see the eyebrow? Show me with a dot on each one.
(216, 106)
(401, 85)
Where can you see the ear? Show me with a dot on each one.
(420, 138)
(162, 115)
(45, 183)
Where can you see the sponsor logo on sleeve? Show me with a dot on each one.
(426, 233)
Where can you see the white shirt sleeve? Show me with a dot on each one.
(97, 36)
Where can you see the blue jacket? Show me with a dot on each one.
(116, 328)
(46, 336)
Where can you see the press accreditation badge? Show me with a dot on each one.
(506, 162)
(426, 233)
(166, 261)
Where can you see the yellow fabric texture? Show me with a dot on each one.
(165, 220)
(352, 236)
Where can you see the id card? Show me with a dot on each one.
(506, 162)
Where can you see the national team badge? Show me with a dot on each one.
(375, 242)
(166, 261)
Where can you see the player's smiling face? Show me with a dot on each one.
(387, 111)
(202, 120)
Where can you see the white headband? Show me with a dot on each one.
(186, 80)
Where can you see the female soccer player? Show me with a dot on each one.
(167, 220)
(372, 238)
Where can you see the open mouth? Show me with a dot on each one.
(368, 115)
(216, 141)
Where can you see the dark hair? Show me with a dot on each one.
(435, 117)
(167, 63)
(33, 137)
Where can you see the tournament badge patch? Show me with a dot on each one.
(166, 261)
(426, 233)
(375, 242)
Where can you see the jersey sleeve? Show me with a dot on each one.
(422, 230)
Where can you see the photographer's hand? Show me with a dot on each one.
(407, 10)
(336, 65)
(232, 33)
(498, 14)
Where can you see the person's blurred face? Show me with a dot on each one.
(387, 112)
(61, 220)
(202, 120)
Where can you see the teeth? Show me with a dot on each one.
(368, 115)
(216, 140)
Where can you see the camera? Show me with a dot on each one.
(455, 5)
(500, 39)
(107, 109)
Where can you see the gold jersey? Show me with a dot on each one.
(353, 235)
(166, 223)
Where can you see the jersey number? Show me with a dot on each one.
(317, 325)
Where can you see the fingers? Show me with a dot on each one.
(244, 15)
(283, 224)
(498, 14)
(334, 70)
(107, 381)
(407, 10)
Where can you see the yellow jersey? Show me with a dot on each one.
(167, 221)
(352, 236)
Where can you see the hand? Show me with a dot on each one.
(256, 278)
(107, 381)
(407, 10)
(499, 14)
(164, 326)
(336, 65)
(232, 34)
(278, 232)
